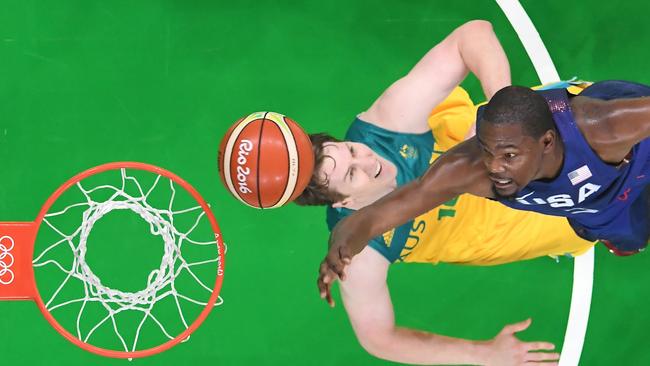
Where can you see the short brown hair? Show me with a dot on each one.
(317, 192)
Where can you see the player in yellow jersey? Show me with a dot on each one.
(392, 143)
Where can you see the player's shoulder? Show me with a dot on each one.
(589, 115)
(380, 117)
(384, 115)
(362, 126)
(611, 115)
(608, 125)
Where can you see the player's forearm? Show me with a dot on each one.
(391, 211)
(445, 179)
(484, 56)
(422, 348)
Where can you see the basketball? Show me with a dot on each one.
(265, 160)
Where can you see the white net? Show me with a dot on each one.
(95, 305)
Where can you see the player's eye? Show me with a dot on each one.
(351, 150)
(510, 155)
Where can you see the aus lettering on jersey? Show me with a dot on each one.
(564, 201)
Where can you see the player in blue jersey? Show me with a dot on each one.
(597, 170)
(585, 157)
(392, 143)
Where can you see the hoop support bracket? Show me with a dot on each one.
(16, 251)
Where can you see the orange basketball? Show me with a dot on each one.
(265, 160)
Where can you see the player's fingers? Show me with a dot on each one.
(542, 356)
(516, 327)
(322, 291)
(322, 280)
(330, 299)
(346, 258)
(335, 264)
(341, 275)
(345, 255)
(326, 273)
(325, 290)
(328, 278)
(536, 346)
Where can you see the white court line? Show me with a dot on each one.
(583, 269)
(574, 337)
(530, 39)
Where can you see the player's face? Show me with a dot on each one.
(512, 158)
(357, 172)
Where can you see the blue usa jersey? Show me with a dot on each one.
(601, 201)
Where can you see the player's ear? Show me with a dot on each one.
(548, 141)
(345, 203)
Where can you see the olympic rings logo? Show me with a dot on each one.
(6, 260)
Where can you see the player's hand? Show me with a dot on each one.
(325, 280)
(344, 243)
(343, 246)
(506, 349)
(332, 267)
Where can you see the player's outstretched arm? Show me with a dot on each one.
(472, 47)
(458, 171)
(368, 304)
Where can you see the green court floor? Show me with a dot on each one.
(89, 82)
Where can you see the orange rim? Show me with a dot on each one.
(220, 270)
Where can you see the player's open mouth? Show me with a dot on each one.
(501, 183)
(378, 170)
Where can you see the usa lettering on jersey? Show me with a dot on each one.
(564, 201)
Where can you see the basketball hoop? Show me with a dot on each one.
(113, 322)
